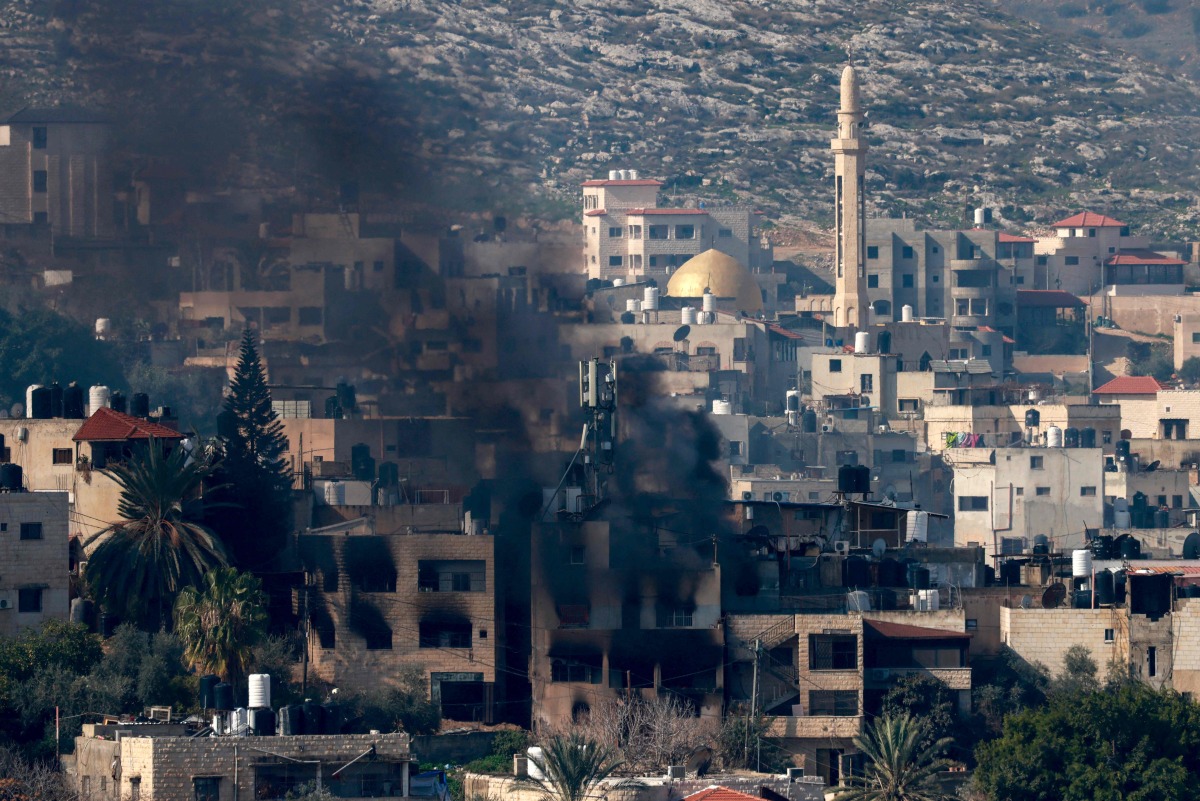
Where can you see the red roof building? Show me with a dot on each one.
(1131, 385)
(1089, 219)
(108, 425)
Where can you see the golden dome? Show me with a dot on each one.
(720, 273)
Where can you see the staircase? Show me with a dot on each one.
(778, 634)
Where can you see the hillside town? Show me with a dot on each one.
(385, 499)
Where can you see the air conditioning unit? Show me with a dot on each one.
(842, 546)
(825, 429)
(747, 495)
(777, 497)
(22, 434)
(5, 603)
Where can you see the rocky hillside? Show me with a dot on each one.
(508, 105)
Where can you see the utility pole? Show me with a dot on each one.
(754, 708)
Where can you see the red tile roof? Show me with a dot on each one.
(106, 425)
(902, 631)
(1089, 219)
(1056, 298)
(595, 213)
(647, 212)
(638, 182)
(1014, 238)
(1142, 257)
(715, 793)
(1130, 385)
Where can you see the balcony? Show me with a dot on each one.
(883, 678)
(814, 726)
(974, 264)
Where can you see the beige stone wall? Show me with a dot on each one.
(1138, 413)
(1044, 635)
(33, 564)
(1186, 654)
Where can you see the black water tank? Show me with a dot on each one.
(1071, 437)
(56, 399)
(808, 422)
(335, 716)
(1033, 418)
(108, 624)
(139, 405)
(1103, 548)
(1162, 518)
(361, 463)
(346, 397)
(627, 318)
(919, 578)
(207, 684)
(73, 402)
(1106, 588)
(262, 722)
(1121, 583)
(1150, 594)
(1083, 599)
(1131, 547)
(291, 721)
(389, 474)
(40, 404)
(1087, 437)
(847, 479)
(223, 697)
(856, 572)
(314, 718)
(1010, 573)
(1122, 450)
(1191, 591)
(117, 403)
(11, 479)
(891, 574)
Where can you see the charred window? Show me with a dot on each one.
(444, 634)
(833, 703)
(581, 669)
(39, 138)
(832, 652)
(451, 576)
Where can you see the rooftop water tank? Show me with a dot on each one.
(1081, 563)
(650, 298)
(708, 302)
(335, 493)
(1054, 437)
(29, 399)
(688, 315)
(139, 405)
(73, 402)
(858, 601)
(618, 282)
(862, 342)
(612, 175)
(906, 313)
(633, 175)
(260, 690)
(99, 397)
(928, 601)
(793, 400)
(722, 407)
(916, 527)
(633, 305)
(535, 755)
(103, 327)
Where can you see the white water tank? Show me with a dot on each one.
(103, 327)
(535, 755)
(928, 601)
(622, 175)
(916, 527)
(98, 398)
(633, 175)
(650, 299)
(335, 493)
(1054, 437)
(1081, 563)
(858, 601)
(29, 399)
(722, 407)
(688, 315)
(618, 282)
(633, 305)
(612, 175)
(906, 313)
(979, 217)
(1121, 517)
(862, 342)
(260, 690)
(709, 302)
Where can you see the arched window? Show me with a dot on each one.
(882, 307)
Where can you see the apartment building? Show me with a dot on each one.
(35, 553)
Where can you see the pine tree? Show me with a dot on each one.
(253, 478)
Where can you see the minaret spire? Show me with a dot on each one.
(849, 151)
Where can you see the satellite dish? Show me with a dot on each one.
(1053, 597)
(1150, 468)
(879, 547)
(681, 333)
(1191, 546)
(1026, 601)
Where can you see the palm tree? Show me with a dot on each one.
(572, 766)
(898, 767)
(220, 624)
(141, 563)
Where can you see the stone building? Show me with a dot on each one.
(56, 172)
(164, 762)
(35, 553)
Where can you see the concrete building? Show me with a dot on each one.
(156, 762)
(1138, 398)
(56, 172)
(951, 425)
(1073, 257)
(35, 553)
(1004, 497)
(627, 236)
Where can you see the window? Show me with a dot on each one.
(1020, 280)
(29, 599)
(872, 282)
(866, 382)
(207, 788)
(39, 138)
(1010, 546)
(735, 447)
(584, 670)
(615, 231)
(1037, 462)
(463, 575)
(1042, 260)
(685, 232)
(835, 365)
(614, 261)
(311, 315)
(1196, 338)
(41, 218)
(1087, 492)
(832, 652)
(1071, 261)
(39, 180)
(872, 251)
(31, 531)
(905, 405)
(724, 233)
(1019, 490)
(377, 266)
(906, 280)
(973, 503)
(135, 789)
(657, 232)
(1041, 492)
(1091, 232)
(972, 624)
(1176, 501)
(62, 456)
(635, 232)
(679, 617)
(276, 315)
(1108, 635)
(834, 703)
(590, 201)
(906, 252)
(578, 554)
(935, 279)
(444, 635)
(1151, 660)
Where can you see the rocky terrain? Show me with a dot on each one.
(508, 105)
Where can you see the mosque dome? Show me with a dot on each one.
(720, 273)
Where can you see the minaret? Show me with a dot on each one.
(849, 152)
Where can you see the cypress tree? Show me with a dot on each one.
(254, 513)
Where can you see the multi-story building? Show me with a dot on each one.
(34, 549)
(55, 171)
(628, 236)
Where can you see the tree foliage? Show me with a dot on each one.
(141, 563)
(221, 623)
(1125, 742)
(38, 346)
(402, 706)
(928, 700)
(900, 766)
(1189, 371)
(254, 477)
(573, 767)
